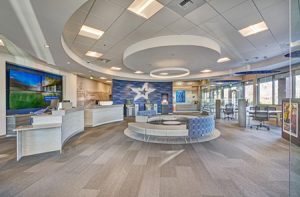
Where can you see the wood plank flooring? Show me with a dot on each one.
(104, 162)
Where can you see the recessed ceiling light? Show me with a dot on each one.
(1, 43)
(108, 81)
(103, 78)
(163, 73)
(90, 32)
(254, 29)
(115, 68)
(145, 8)
(138, 72)
(91, 77)
(93, 54)
(68, 62)
(46, 45)
(206, 71)
(223, 59)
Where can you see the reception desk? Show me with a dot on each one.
(49, 132)
(98, 115)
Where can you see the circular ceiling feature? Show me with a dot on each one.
(194, 53)
(171, 73)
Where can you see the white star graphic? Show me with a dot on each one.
(142, 92)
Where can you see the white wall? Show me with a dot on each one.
(69, 82)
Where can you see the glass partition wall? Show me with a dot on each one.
(294, 94)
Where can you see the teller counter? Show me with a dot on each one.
(97, 115)
(49, 132)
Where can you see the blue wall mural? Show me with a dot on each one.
(180, 96)
(138, 91)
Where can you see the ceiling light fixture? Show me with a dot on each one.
(46, 46)
(223, 59)
(103, 78)
(145, 8)
(138, 72)
(115, 68)
(90, 32)
(206, 71)
(91, 77)
(108, 81)
(93, 54)
(254, 29)
(1, 43)
(163, 73)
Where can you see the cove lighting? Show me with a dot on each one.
(163, 73)
(103, 78)
(90, 32)
(206, 71)
(223, 59)
(138, 72)
(145, 8)
(115, 68)
(253, 29)
(1, 43)
(93, 54)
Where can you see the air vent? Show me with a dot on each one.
(102, 60)
(183, 7)
(185, 3)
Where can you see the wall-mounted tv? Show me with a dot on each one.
(28, 90)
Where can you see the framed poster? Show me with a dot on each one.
(290, 118)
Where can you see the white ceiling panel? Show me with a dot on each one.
(78, 17)
(222, 6)
(277, 19)
(107, 10)
(201, 14)
(69, 36)
(98, 22)
(180, 26)
(86, 6)
(164, 2)
(122, 3)
(243, 15)
(262, 39)
(262, 4)
(195, 31)
(164, 32)
(145, 31)
(165, 17)
(218, 26)
(85, 40)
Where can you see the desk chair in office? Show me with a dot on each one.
(228, 111)
(261, 116)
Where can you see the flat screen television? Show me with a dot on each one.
(29, 90)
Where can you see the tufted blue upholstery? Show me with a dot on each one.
(147, 113)
(201, 126)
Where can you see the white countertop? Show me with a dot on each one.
(35, 127)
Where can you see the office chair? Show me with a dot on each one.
(261, 116)
(228, 111)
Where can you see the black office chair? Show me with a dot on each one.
(261, 115)
(228, 111)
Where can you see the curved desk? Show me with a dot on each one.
(49, 132)
(98, 115)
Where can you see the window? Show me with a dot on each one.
(297, 86)
(276, 101)
(266, 91)
(226, 95)
(249, 93)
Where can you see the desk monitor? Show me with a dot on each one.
(54, 104)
